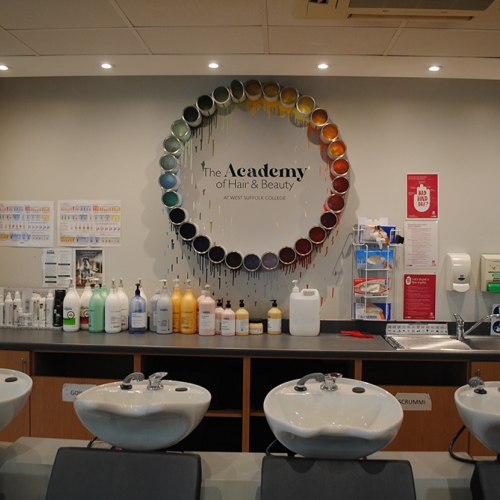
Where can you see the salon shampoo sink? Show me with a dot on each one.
(15, 388)
(351, 422)
(133, 417)
(480, 412)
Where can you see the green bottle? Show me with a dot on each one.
(96, 311)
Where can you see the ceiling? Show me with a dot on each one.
(246, 37)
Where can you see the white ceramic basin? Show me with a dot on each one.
(15, 388)
(140, 419)
(481, 413)
(344, 424)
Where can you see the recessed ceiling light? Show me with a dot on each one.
(213, 65)
(435, 68)
(3, 67)
(322, 66)
(106, 66)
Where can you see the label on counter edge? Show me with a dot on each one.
(413, 401)
(71, 391)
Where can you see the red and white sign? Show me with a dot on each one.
(419, 292)
(422, 196)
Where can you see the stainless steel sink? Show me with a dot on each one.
(483, 343)
(426, 343)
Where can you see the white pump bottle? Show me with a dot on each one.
(71, 309)
(164, 311)
(113, 311)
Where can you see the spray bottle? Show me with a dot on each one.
(207, 313)
(164, 311)
(71, 309)
(176, 307)
(113, 311)
(84, 304)
(188, 311)
(138, 319)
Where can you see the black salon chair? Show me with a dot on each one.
(97, 474)
(286, 478)
(485, 481)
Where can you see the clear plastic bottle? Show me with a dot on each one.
(71, 309)
(228, 321)
(124, 305)
(84, 305)
(176, 307)
(164, 311)
(242, 320)
(188, 311)
(152, 310)
(113, 311)
(138, 319)
(207, 313)
(274, 317)
(219, 309)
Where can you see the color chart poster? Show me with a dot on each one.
(422, 194)
(26, 223)
(89, 223)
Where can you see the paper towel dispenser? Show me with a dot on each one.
(458, 267)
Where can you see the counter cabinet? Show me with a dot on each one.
(235, 420)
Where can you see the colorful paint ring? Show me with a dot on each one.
(202, 244)
(303, 247)
(304, 107)
(188, 231)
(252, 262)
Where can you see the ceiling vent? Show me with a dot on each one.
(425, 10)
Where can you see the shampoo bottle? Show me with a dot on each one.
(143, 295)
(176, 307)
(274, 319)
(188, 311)
(164, 311)
(84, 305)
(17, 304)
(96, 311)
(71, 309)
(304, 312)
(218, 316)
(138, 319)
(57, 318)
(124, 305)
(207, 313)
(2, 307)
(228, 322)
(113, 311)
(242, 320)
(152, 310)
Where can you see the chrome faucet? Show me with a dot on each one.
(126, 385)
(155, 381)
(328, 381)
(460, 326)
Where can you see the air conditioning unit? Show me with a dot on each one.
(425, 10)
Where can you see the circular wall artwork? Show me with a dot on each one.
(254, 176)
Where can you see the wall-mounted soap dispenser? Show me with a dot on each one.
(458, 266)
(490, 272)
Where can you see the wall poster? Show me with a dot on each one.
(419, 297)
(422, 196)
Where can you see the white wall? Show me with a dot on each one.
(101, 138)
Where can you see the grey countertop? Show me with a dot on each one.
(324, 345)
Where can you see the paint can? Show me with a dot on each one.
(288, 97)
(253, 90)
(334, 203)
(319, 118)
(206, 105)
(234, 260)
(303, 247)
(173, 145)
(188, 231)
(252, 262)
(178, 215)
(171, 199)
(317, 235)
(202, 244)
(340, 185)
(169, 181)
(340, 166)
(328, 220)
(305, 106)
(222, 97)
(237, 90)
(287, 256)
(217, 254)
(192, 116)
(169, 162)
(270, 261)
(329, 132)
(271, 91)
(181, 130)
(336, 149)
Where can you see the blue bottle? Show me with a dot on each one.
(138, 317)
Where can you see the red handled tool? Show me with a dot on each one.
(357, 333)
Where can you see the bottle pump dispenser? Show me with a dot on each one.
(458, 267)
